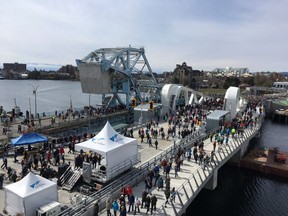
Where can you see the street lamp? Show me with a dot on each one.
(35, 94)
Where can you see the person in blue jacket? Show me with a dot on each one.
(115, 207)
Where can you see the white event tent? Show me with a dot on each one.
(118, 151)
(28, 194)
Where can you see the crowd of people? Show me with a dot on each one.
(185, 122)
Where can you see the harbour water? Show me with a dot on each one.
(242, 192)
(50, 95)
(239, 192)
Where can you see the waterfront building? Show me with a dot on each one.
(230, 71)
(7, 67)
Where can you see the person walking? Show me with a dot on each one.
(167, 183)
(15, 156)
(160, 183)
(176, 170)
(96, 208)
(131, 199)
(5, 162)
(173, 195)
(163, 164)
(148, 183)
(167, 196)
(137, 205)
(1, 180)
(195, 154)
(214, 145)
(148, 202)
(115, 207)
(167, 170)
(153, 203)
(144, 196)
(157, 176)
(123, 211)
(108, 207)
(149, 140)
(156, 144)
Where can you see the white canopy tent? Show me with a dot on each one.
(28, 194)
(119, 152)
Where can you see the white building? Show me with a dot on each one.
(229, 71)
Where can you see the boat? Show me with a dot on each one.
(2, 77)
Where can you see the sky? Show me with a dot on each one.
(205, 34)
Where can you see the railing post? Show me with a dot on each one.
(220, 155)
(215, 156)
(196, 181)
(174, 209)
(190, 186)
(204, 170)
(200, 175)
(164, 210)
(234, 144)
(179, 197)
(229, 148)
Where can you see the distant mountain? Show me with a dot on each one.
(284, 73)
(46, 67)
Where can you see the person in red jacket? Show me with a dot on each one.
(129, 190)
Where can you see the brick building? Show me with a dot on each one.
(7, 67)
(185, 75)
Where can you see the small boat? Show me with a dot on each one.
(2, 77)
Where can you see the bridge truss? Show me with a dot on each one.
(118, 71)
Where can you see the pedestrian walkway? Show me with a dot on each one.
(192, 177)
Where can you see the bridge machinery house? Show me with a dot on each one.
(216, 119)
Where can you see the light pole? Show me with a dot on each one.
(35, 94)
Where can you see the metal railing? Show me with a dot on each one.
(191, 187)
(135, 176)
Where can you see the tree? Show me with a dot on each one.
(231, 81)
(248, 80)
(34, 75)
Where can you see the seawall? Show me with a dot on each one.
(264, 161)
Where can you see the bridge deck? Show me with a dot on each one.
(192, 177)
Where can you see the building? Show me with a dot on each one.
(7, 67)
(229, 71)
(185, 75)
(283, 85)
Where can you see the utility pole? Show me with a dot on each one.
(35, 94)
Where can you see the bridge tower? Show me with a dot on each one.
(116, 71)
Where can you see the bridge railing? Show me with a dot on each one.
(191, 187)
(132, 178)
(138, 174)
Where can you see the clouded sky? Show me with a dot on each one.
(203, 33)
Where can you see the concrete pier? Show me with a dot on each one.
(265, 162)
